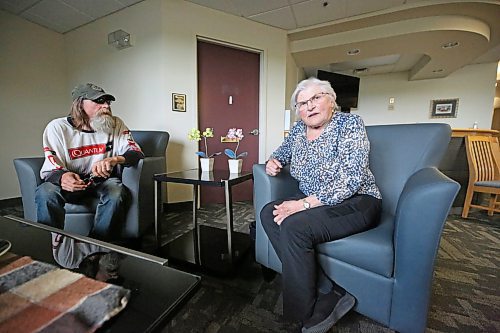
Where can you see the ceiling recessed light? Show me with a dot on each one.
(438, 70)
(360, 70)
(450, 45)
(353, 52)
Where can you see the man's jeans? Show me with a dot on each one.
(50, 200)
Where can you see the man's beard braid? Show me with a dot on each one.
(103, 122)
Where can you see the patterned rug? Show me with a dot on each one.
(54, 299)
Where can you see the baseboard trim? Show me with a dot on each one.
(6, 203)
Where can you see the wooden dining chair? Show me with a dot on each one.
(483, 156)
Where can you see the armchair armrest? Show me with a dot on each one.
(131, 177)
(139, 180)
(28, 174)
(420, 216)
(267, 189)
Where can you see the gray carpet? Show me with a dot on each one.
(465, 294)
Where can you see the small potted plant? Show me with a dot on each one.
(206, 160)
(235, 160)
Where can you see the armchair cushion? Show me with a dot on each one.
(491, 183)
(398, 151)
(371, 250)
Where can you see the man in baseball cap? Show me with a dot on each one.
(82, 151)
(90, 91)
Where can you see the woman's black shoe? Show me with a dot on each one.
(343, 306)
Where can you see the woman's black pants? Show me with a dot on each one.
(295, 240)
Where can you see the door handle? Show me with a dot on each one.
(254, 132)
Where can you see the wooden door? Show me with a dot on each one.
(228, 97)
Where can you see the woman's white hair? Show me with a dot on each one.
(324, 86)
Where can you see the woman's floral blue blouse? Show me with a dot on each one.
(334, 166)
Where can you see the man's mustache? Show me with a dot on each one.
(104, 111)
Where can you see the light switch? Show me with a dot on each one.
(390, 107)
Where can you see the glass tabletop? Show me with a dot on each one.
(156, 290)
(197, 177)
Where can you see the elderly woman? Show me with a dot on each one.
(328, 155)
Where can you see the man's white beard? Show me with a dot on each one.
(103, 123)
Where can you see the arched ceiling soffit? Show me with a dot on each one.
(421, 30)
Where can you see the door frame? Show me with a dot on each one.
(262, 92)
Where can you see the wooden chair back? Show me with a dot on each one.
(483, 157)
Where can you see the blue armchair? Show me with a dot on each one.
(388, 268)
(138, 179)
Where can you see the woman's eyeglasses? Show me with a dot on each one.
(314, 100)
(102, 100)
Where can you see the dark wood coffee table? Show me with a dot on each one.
(156, 290)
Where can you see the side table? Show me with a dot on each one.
(220, 178)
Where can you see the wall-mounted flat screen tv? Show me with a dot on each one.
(346, 87)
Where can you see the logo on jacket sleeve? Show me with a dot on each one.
(132, 145)
(52, 157)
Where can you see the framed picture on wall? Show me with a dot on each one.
(179, 102)
(444, 108)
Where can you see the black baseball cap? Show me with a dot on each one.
(90, 91)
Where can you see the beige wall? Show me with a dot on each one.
(473, 85)
(293, 76)
(32, 91)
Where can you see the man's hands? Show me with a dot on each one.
(103, 168)
(273, 167)
(72, 182)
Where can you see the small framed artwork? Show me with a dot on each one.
(444, 108)
(178, 102)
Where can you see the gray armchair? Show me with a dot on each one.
(138, 179)
(388, 268)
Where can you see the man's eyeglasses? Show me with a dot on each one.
(314, 100)
(102, 100)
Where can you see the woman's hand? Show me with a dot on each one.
(285, 209)
(273, 167)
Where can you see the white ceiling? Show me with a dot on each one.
(391, 35)
(293, 14)
(64, 15)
